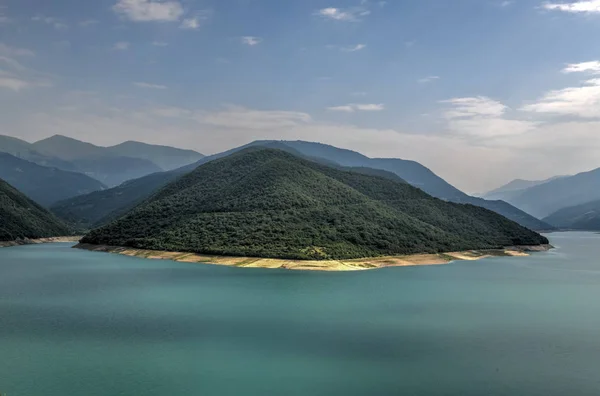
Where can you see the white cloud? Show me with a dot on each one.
(7, 50)
(582, 101)
(370, 107)
(190, 23)
(482, 117)
(15, 76)
(121, 46)
(172, 112)
(3, 18)
(55, 22)
(346, 108)
(88, 22)
(586, 6)
(149, 10)
(474, 106)
(251, 40)
(242, 118)
(17, 84)
(338, 14)
(428, 79)
(592, 66)
(352, 107)
(148, 85)
(12, 64)
(355, 48)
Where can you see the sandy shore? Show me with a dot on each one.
(26, 241)
(333, 265)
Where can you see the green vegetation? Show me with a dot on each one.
(101, 207)
(42, 184)
(417, 175)
(22, 218)
(270, 203)
(584, 217)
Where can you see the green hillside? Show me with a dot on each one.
(100, 207)
(584, 217)
(22, 218)
(270, 203)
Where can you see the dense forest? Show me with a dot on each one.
(270, 203)
(22, 218)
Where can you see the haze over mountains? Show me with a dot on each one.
(89, 185)
(43, 184)
(109, 165)
(543, 199)
(265, 202)
(514, 188)
(580, 217)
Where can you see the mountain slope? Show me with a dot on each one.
(412, 172)
(547, 198)
(24, 150)
(514, 188)
(168, 158)
(42, 184)
(581, 217)
(270, 203)
(22, 218)
(113, 171)
(100, 207)
(418, 176)
(67, 148)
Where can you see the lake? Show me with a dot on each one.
(74, 322)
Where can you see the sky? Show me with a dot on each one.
(480, 91)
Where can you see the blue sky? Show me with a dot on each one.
(479, 91)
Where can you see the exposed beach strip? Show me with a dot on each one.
(27, 241)
(315, 265)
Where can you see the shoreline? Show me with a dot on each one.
(326, 265)
(37, 241)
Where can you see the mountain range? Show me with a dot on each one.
(265, 202)
(579, 217)
(515, 188)
(43, 184)
(22, 218)
(109, 165)
(544, 199)
(109, 204)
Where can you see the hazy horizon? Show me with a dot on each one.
(480, 92)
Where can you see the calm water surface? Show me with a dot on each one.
(75, 323)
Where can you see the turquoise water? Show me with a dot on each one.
(75, 323)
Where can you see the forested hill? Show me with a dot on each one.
(22, 218)
(270, 203)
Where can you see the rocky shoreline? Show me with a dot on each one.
(27, 241)
(331, 265)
